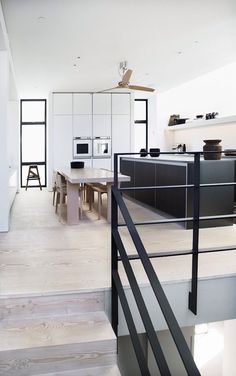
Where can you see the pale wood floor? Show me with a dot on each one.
(40, 255)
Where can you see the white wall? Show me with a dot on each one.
(4, 84)
(13, 130)
(9, 143)
(229, 348)
(214, 91)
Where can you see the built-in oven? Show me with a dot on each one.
(102, 147)
(82, 147)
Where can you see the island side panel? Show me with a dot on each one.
(213, 200)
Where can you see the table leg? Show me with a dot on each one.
(72, 204)
(109, 202)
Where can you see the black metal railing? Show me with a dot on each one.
(119, 254)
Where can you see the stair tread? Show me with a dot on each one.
(95, 371)
(55, 331)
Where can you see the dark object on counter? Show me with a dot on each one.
(211, 115)
(77, 164)
(143, 153)
(213, 146)
(184, 148)
(172, 120)
(230, 152)
(199, 116)
(154, 152)
(181, 121)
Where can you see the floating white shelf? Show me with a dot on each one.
(203, 123)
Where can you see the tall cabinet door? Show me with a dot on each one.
(101, 104)
(101, 125)
(62, 140)
(62, 103)
(82, 104)
(82, 115)
(120, 133)
(121, 104)
(102, 115)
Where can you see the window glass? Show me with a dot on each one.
(139, 110)
(33, 111)
(139, 137)
(33, 143)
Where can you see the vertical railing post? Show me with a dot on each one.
(114, 251)
(116, 170)
(192, 303)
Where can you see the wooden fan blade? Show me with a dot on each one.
(126, 77)
(141, 88)
(116, 87)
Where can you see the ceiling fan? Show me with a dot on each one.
(124, 83)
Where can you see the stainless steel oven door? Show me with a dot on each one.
(82, 147)
(102, 147)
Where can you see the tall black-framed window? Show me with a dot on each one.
(33, 139)
(141, 124)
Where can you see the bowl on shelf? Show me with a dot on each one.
(181, 121)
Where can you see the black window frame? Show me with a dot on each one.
(22, 123)
(143, 121)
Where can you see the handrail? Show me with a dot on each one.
(172, 323)
(144, 257)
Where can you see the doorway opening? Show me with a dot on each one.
(33, 139)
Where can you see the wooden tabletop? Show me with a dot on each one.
(90, 175)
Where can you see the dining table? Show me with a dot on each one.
(75, 177)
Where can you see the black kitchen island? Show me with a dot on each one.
(179, 170)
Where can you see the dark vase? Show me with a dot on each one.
(213, 146)
(143, 153)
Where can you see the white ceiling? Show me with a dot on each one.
(166, 42)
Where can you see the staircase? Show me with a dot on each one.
(67, 334)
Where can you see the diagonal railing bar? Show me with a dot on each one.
(151, 334)
(131, 325)
(174, 328)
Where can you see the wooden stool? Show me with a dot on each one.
(33, 174)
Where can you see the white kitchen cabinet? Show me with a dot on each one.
(102, 163)
(101, 125)
(102, 104)
(62, 103)
(62, 141)
(121, 134)
(120, 104)
(82, 126)
(82, 104)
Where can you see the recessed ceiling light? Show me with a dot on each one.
(41, 19)
(196, 41)
(179, 52)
